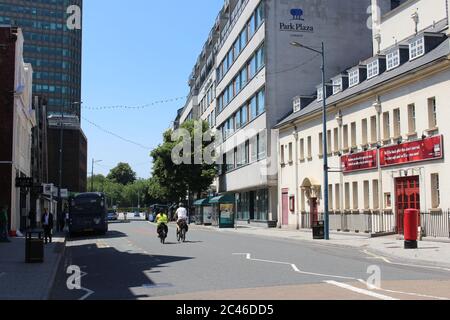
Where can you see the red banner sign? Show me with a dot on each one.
(421, 150)
(359, 161)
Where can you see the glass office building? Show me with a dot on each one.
(53, 50)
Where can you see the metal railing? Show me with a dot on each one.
(354, 221)
(436, 223)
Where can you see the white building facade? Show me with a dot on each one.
(23, 122)
(387, 138)
(246, 75)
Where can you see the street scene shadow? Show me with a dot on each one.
(131, 274)
(92, 236)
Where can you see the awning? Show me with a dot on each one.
(226, 198)
(202, 202)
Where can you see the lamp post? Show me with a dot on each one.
(92, 176)
(324, 136)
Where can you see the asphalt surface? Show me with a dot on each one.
(130, 263)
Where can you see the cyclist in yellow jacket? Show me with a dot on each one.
(162, 221)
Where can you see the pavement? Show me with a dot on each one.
(130, 263)
(22, 281)
(434, 252)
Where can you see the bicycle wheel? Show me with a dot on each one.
(183, 235)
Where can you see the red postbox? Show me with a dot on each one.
(411, 224)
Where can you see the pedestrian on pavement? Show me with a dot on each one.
(47, 223)
(125, 216)
(4, 224)
(63, 217)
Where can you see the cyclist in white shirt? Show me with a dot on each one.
(181, 215)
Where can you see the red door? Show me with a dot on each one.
(314, 211)
(407, 192)
(285, 207)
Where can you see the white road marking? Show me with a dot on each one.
(404, 293)
(374, 256)
(360, 291)
(294, 267)
(88, 291)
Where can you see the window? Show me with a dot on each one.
(243, 38)
(372, 69)
(297, 105)
(376, 198)
(290, 152)
(251, 26)
(364, 132)
(412, 119)
(254, 149)
(345, 134)
(366, 195)
(353, 134)
(347, 196)
(416, 48)
(244, 115)
(259, 14)
(320, 142)
(337, 85)
(373, 129)
(337, 196)
(252, 67)
(393, 59)
(261, 101)
(355, 196)
(253, 108)
(238, 119)
(302, 149)
(330, 197)
(329, 142)
(336, 140)
(397, 123)
(303, 201)
(386, 126)
(260, 58)
(319, 94)
(262, 137)
(435, 191)
(432, 113)
(353, 78)
(387, 200)
(243, 78)
(309, 148)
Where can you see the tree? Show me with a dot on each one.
(175, 180)
(122, 174)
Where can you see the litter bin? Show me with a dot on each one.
(319, 230)
(34, 246)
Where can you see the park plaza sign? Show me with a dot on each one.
(404, 153)
(296, 24)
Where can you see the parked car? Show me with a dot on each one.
(113, 215)
(137, 214)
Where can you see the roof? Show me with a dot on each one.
(202, 202)
(226, 198)
(443, 50)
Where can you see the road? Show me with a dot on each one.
(130, 263)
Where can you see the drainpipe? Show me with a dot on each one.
(341, 174)
(297, 202)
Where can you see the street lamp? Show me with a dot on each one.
(324, 136)
(92, 176)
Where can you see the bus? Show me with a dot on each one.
(88, 212)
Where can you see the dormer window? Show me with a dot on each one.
(416, 48)
(353, 78)
(297, 104)
(393, 59)
(320, 94)
(337, 85)
(373, 69)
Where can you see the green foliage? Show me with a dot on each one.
(172, 181)
(122, 174)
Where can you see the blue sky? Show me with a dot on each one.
(133, 55)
